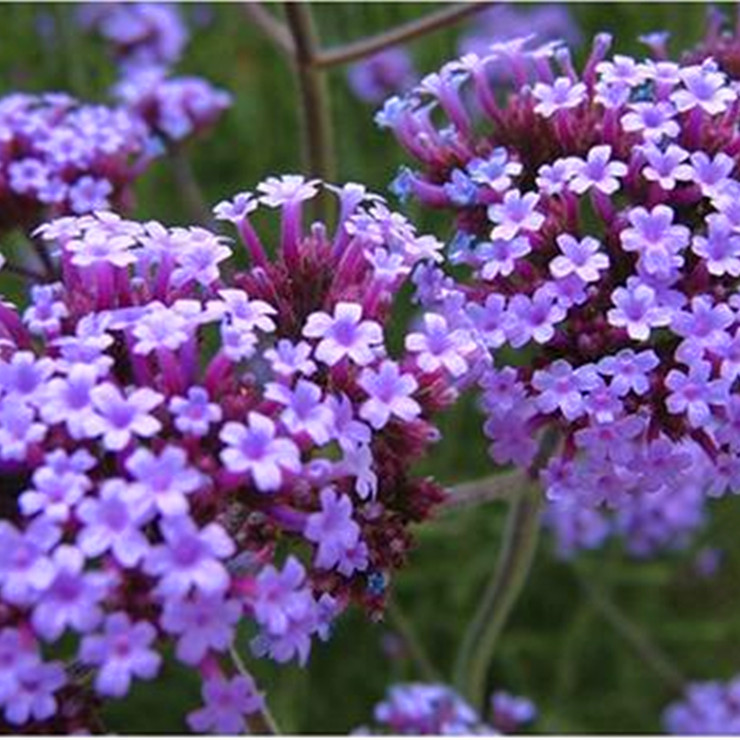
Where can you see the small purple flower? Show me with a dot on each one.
(278, 595)
(712, 174)
(190, 557)
(509, 713)
(652, 120)
(163, 481)
(278, 191)
(287, 358)
(582, 258)
(499, 256)
(203, 622)
(694, 392)
(111, 522)
(629, 370)
(121, 417)
(720, 248)
(122, 652)
(705, 88)
(516, 213)
(637, 310)
(332, 529)
(597, 171)
(255, 449)
(344, 335)
(227, 702)
(194, 414)
(389, 393)
(68, 401)
(440, 346)
(533, 318)
(381, 75)
(72, 599)
(562, 387)
(305, 412)
(666, 166)
(562, 94)
(34, 699)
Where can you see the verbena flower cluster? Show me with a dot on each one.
(598, 225)
(707, 708)
(436, 709)
(58, 156)
(140, 34)
(148, 40)
(388, 72)
(183, 446)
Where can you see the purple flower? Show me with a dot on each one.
(18, 429)
(120, 417)
(227, 701)
(190, 557)
(720, 248)
(582, 258)
(379, 76)
(279, 595)
(72, 599)
(509, 712)
(344, 335)
(666, 166)
(705, 88)
(332, 529)
(441, 347)
(194, 413)
(563, 94)
(562, 387)
(499, 256)
(389, 393)
(533, 318)
(33, 698)
(26, 569)
(122, 652)
(305, 411)
(244, 313)
(163, 481)
(287, 358)
(597, 171)
(712, 174)
(707, 708)
(277, 191)
(256, 450)
(111, 522)
(652, 120)
(636, 309)
(516, 213)
(198, 256)
(629, 370)
(693, 393)
(203, 622)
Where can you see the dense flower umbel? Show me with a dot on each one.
(708, 708)
(140, 34)
(426, 709)
(173, 107)
(58, 156)
(176, 422)
(598, 221)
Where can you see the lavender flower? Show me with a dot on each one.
(227, 702)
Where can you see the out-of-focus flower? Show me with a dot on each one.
(707, 708)
(388, 72)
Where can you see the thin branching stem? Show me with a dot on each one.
(318, 145)
(514, 562)
(271, 26)
(403, 33)
(401, 623)
(500, 487)
(633, 634)
(188, 187)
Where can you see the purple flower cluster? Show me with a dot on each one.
(388, 72)
(174, 108)
(58, 157)
(148, 40)
(426, 709)
(707, 708)
(166, 423)
(141, 34)
(436, 709)
(599, 231)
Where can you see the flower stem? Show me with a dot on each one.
(318, 152)
(401, 34)
(514, 562)
(261, 723)
(498, 487)
(633, 634)
(271, 26)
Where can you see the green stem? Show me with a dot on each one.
(499, 487)
(515, 559)
(633, 634)
(188, 187)
(405, 629)
(318, 149)
(262, 723)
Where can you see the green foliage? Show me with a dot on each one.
(557, 648)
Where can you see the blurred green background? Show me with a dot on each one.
(557, 649)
